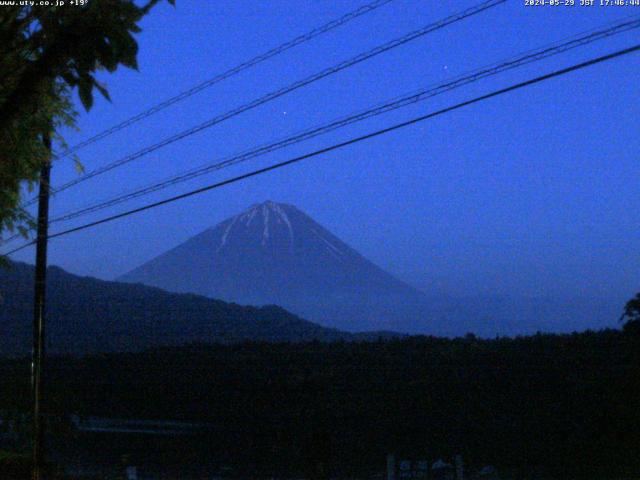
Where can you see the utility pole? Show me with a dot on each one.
(37, 358)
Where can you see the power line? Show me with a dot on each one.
(230, 73)
(420, 95)
(283, 91)
(574, 41)
(495, 93)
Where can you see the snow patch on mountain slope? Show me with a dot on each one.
(283, 215)
(225, 235)
(265, 231)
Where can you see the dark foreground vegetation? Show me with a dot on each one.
(566, 406)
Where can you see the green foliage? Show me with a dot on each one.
(22, 153)
(45, 54)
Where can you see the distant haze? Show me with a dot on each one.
(273, 253)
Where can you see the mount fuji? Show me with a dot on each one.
(273, 253)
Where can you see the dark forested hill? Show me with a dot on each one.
(90, 315)
(545, 406)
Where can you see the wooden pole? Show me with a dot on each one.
(37, 362)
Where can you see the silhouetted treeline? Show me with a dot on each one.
(564, 405)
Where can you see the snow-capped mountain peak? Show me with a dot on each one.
(273, 253)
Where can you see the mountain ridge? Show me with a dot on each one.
(88, 315)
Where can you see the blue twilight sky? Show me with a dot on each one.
(532, 193)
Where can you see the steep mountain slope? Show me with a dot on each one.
(275, 254)
(90, 315)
